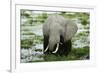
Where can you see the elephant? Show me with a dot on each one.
(57, 34)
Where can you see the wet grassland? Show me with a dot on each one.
(32, 37)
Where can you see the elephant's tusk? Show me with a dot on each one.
(56, 48)
(46, 49)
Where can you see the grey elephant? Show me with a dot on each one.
(58, 32)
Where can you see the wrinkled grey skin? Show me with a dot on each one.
(56, 26)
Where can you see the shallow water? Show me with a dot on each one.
(30, 54)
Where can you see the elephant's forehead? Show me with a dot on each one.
(55, 26)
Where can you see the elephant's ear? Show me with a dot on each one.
(70, 29)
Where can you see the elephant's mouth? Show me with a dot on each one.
(55, 51)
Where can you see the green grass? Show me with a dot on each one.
(29, 33)
(26, 43)
(75, 54)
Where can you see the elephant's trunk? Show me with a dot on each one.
(51, 46)
(53, 41)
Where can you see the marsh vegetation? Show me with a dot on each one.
(32, 36)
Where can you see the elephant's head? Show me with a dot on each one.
(54, 41)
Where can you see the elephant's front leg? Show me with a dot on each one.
(67, 47)
(45, 45)
(61, 46)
